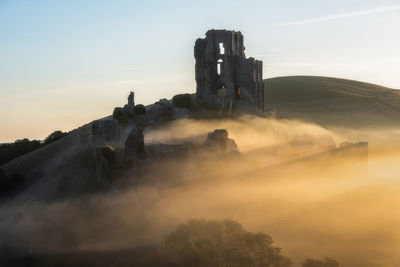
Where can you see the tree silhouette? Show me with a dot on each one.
(54, 136)
(220, 243)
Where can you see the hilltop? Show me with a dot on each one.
(333, 101)
(330, 102)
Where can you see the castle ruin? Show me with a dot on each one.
(224, 74)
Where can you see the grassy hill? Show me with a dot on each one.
(333, 102)
(65, 167)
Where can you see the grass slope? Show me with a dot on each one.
(63, 168)
(333, 102)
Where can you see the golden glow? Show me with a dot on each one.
(332, 206)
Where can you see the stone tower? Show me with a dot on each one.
(224, 73)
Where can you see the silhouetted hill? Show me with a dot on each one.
(333, 102)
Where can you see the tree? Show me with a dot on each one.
(140, 109)
(54, 136)
(10, 151)
(182, 101)
(20, 147)
(220, 243)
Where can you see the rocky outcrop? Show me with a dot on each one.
(218, 140)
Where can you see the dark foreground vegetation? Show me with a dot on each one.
(215, 243)
(198, 242)
(10, 151)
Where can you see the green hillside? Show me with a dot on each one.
(333, 102)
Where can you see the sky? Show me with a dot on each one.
(66, 63)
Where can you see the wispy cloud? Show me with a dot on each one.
(345, 15)
(293, 64)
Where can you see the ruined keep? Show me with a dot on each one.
(223, 73)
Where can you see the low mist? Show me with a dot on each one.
(311, 205)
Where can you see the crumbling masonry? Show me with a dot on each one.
(224, 73)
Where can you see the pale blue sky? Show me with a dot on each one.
(66, 63)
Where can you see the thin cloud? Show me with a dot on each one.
(345, 15)
(294, 64)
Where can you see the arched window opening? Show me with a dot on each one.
(219, 66)
(221, 48)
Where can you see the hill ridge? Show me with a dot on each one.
(330, 101)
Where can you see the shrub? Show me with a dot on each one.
(11, 151)
(182, 101)
(54, 136)
(140, 109)
(108, 153)
(220, 243)
(118, 113)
